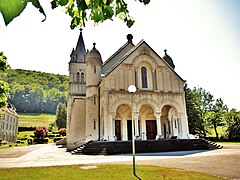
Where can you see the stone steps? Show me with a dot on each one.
(125, 147)
(213, 145)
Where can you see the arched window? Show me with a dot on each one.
(144, 77)
(78, 77)
(82, 77)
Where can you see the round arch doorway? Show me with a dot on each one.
(122, 125)
(148, 122)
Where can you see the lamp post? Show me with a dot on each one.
(132, 89)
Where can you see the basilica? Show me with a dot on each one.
(100, 107)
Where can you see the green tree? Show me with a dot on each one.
(233, 122)
(4, 88)
(193, 113)
(215, 117)
(204, 104)
(80, 11)
(198, 103)
(61, 115)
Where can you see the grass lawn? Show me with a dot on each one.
(116, 172)
(228, 143)
(34, 119)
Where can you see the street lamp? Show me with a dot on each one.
(132, 89)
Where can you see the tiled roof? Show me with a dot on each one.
(114, 60)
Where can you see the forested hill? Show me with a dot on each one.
(36, 92)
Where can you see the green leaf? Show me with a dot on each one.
(81, 4)
(11, 9)
(74, 23)
(108, 12)
(130, 22)
(55, 3)
(145, 1)
(96, 15)
(39, 7)
(69, 8)
(63, 2)
(3, 63)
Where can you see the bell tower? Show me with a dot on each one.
(76, 115)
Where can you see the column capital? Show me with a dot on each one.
(136, 113)
(158, 114)
(112, 114)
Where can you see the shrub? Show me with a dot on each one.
(40, 141)
(41, 132)
(51, 136)
(56, 139)
(20, 129)
(62, 131)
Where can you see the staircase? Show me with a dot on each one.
(79, 150)
(125, 147)
(213, 145)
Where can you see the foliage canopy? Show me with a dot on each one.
(61, 116)
(36, 92)
(4, 88)
(79, 10)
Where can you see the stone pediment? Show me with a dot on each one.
(134, 56)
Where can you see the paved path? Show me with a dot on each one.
(223, 162)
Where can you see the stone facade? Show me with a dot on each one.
(8, 123)
(100, 106)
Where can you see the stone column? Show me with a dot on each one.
(110, 136)
(113, 126)
(106, 125)
(179, 123)
(182, 119)
(159, 130)
(144, 132)
(136, 114)
(124, 129)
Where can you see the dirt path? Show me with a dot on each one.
(16, 152)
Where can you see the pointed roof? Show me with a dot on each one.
(80, 51)
(168, 59)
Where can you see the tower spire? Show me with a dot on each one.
(80, 48)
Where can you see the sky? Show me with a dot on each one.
(201, 36)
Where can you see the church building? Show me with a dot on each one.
(100, 106)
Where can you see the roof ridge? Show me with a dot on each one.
(116, 53)
(124, 57)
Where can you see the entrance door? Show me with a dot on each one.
(129, 128)
(151, 127)
(118, 129)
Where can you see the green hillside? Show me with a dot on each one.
(36, 92)
(34, 119)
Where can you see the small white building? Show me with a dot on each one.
(8, 123)
(100, 107)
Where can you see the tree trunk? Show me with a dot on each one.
(204, 134)
(215, 129)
